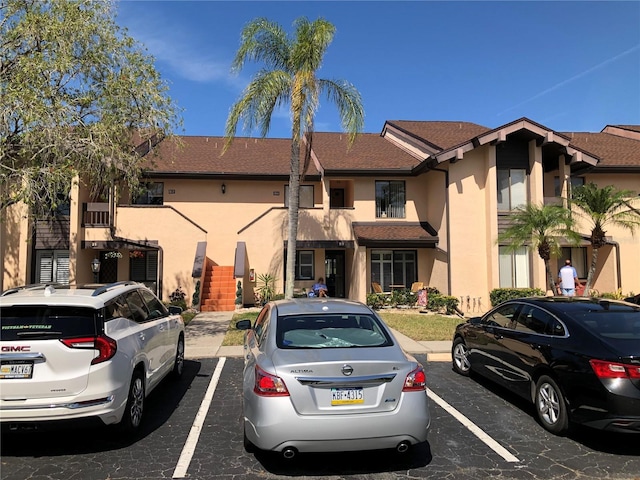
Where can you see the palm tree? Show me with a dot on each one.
(601, 207)
(288, 77)
(541, 227)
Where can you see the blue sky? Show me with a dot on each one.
(571, 66)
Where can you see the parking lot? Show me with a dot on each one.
(193, 430)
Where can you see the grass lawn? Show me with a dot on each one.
(415, 325)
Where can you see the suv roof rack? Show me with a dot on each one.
(33, 286)
(110, 286)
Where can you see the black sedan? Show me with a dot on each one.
(577, 359)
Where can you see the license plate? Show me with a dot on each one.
(346, 396)
(16, 369)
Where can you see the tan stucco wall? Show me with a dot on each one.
(15, 246)
(469, 252)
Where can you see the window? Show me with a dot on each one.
(514, 267)
(306, 196)
(304, 265)
(393, 267)
(330, 331)
(512, 188)
(578, 257)
(137, 307)
(52, 266)
(502, 317)
(534, 320)
(574, 182)
(152, 194)
(144, 268)
(390, 199)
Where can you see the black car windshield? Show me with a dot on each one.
(330, 331)
(46, 322)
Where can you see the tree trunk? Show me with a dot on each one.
(551, 284)
(294, 201)
(592, 271)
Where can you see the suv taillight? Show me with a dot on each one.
(416, 380)
(268, 385)
(105, 346)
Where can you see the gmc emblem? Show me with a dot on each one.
(18, 348)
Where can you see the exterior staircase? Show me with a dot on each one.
(218, 289)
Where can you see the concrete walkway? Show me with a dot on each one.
(205, 333)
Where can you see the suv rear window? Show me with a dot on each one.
(46, 322)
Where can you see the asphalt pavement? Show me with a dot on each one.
(205, 332)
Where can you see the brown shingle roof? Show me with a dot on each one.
(613, 150)
(442, 135)
(369, 152)
(202, 156)
(387, 234)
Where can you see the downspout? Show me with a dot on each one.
(448, 227)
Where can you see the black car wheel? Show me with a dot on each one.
(178, 365)
(460, 357)
(551, 406)
(135, 404)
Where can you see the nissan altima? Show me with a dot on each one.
(577, 359)
(327, 375)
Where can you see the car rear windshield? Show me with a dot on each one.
(46, 322)
(330, 331)
(623, 323)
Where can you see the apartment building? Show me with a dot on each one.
(419, 201)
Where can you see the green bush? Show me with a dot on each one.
(377, 300)
(442, 303)
(500, 295)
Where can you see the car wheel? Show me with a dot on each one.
(460, 357)
(178, 365)
(135, 404)
(551, 406)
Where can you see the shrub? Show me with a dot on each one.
(442, 303)
(195, 298)
(239, 293)
(499, 295)
(377, 300)
(177, 298)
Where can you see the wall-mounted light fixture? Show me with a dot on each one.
(95, 268)
(223, 188)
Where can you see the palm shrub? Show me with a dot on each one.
(602, 207)
(542, 227)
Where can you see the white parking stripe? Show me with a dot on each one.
(192, 440)
(477, 431)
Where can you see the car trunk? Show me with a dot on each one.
(343, 380)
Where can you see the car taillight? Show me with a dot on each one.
(416, 380)
(105, 346)
(605, 369)
(268, 385)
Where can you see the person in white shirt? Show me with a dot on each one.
(568, 279)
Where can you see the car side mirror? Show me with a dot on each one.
(175, 310)
(243, 324)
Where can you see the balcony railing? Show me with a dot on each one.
(95, 215)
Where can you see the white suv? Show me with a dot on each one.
(71, 353)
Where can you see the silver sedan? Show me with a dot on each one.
(327, 375)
